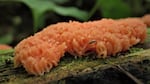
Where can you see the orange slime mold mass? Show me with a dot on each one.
(41, 52)
(4, 47)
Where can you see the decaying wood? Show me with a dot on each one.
(133, 68)
(71, 69)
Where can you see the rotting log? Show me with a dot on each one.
(82, 70)
(133, 68)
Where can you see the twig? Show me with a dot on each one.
(137, 81)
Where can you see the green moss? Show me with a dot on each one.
(6, 56)
(134, 49)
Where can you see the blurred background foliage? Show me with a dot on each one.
(22, 18)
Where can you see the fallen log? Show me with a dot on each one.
(123, 69)
(84, 69)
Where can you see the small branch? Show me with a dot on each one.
(137, 81)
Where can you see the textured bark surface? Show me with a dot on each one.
(85, 70)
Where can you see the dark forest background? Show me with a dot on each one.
(22, 18)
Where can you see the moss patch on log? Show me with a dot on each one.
(71, 68)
